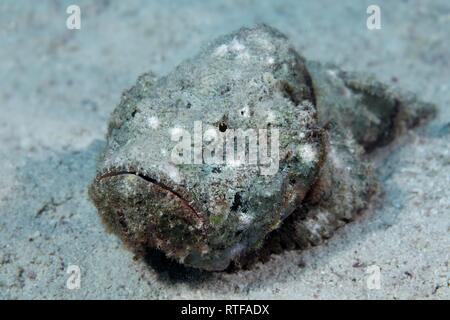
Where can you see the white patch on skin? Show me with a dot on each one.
(270, 60)
(332, 73)
(307, 153)
(270, 117)
(236, 249)
(334, 157)
(236, 46)
(268, 78)
(243, 56)
(234, 162)
(313, 227)
(210, 134)
(267, 194)
(176, 132)
(323, 217)
(153, 122)
(245, 219)
(252, 83)
(172, 172)
(347, 93)
(221, 50)
(245, 112)
(204, 250)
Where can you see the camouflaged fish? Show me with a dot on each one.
(166, 179)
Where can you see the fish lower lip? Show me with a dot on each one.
(153, 181)
(144, 212)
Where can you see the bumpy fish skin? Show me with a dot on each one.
(209, 215)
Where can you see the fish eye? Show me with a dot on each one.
(223, 127)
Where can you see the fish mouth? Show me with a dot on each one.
(153, 181)
(147, 213)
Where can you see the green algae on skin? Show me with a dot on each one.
(210, 216)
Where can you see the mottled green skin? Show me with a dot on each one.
(371, 111)
(207, 216)
(249, 79)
